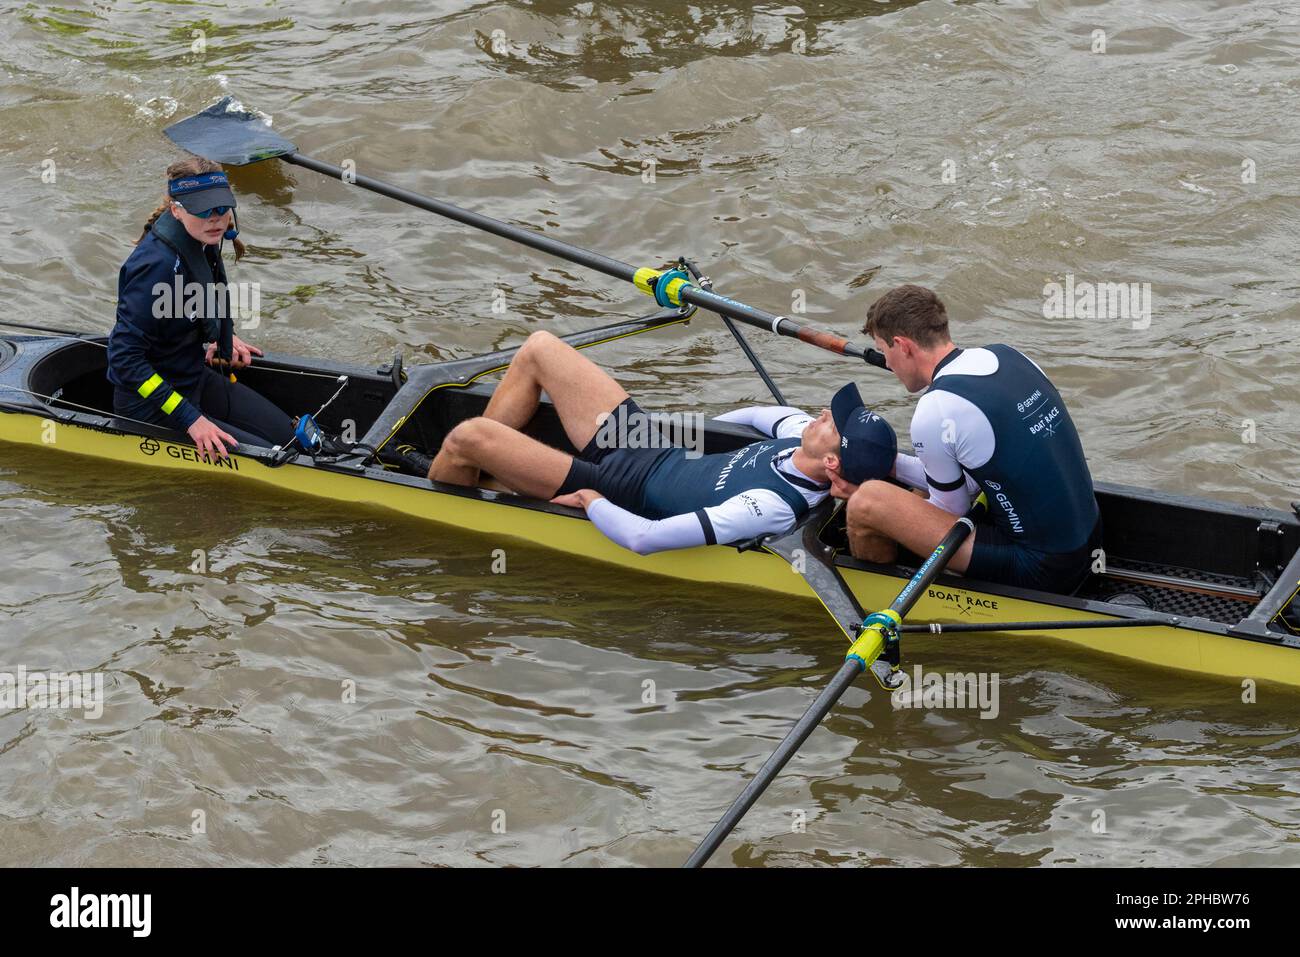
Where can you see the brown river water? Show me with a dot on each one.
(812, 153)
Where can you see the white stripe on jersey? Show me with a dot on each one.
(949, 431)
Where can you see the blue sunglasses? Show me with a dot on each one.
(214, 211)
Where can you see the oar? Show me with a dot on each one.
(879, 635)
(229, 134)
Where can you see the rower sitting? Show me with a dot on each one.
(156, 354)
(990, 421)
(653, 499)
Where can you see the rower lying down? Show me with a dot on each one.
(651, 499)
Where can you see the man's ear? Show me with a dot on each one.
(831, 461)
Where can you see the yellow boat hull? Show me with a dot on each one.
(1186, 648)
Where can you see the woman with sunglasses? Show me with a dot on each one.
(157, 361)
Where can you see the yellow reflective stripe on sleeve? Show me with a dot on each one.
(644, 279)
(150, 386)
(173, 400)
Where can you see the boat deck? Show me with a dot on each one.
(1182, 601)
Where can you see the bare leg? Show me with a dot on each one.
(581, 390)
(881, 516)
(521, 463)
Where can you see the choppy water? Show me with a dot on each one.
(799, 152)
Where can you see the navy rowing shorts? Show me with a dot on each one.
(997, 557)
(619, 474)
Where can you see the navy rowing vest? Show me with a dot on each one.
(1037, 481)
(679, 484)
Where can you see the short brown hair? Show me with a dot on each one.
(911, 311)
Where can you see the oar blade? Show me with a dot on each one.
(229, 134)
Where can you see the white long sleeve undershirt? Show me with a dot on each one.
(909, 470)
(745, 515)
(645, 535)
(767, 418)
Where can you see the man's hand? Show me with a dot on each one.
(579, 499)
(209, 438)
(241, 353)
(840, 486)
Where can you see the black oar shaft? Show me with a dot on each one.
(933, 566)
(930, 569)
(528, 237)
(781, 325)
(722, 305)
(780, 757)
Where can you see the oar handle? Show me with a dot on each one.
(781, 325)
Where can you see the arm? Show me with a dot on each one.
(744, 516)
(909, 470)
(943, 429)
(777, 421)
(642, 535)
(139, 290)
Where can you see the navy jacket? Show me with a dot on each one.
(152, 355)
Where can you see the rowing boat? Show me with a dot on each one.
(1181, 582)
(1202, 582)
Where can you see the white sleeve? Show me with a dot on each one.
(956, 501)
(909, 470)
(741, 517)
(934, 440)
(778, 421)
(936, 435)
(746, 515)
(644, 535)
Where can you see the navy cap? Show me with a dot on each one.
(199, 192)
(868, 445)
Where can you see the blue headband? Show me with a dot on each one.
(193, 184)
